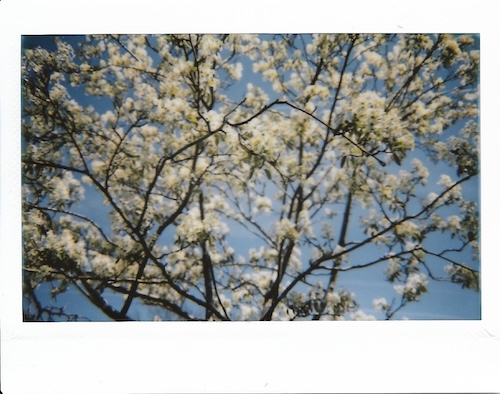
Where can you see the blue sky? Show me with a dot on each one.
(444, 301)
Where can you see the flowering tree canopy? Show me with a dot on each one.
(239, 177)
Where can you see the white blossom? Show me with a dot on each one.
(380, 304)
(360, 315)
(286, 229)
(262, 204)
(415, 285)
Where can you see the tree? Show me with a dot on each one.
(226, 177)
